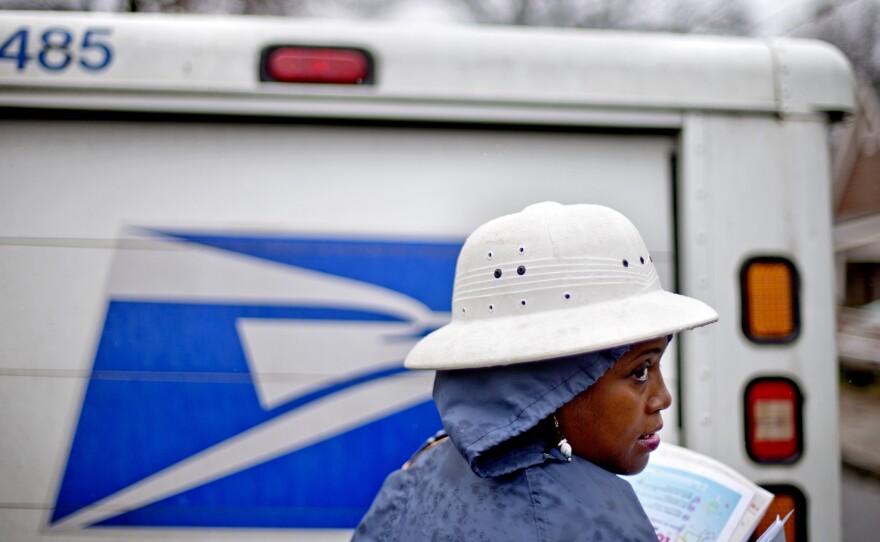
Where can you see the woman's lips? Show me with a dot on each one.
(651, 441)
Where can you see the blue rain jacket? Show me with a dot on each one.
(499, 475)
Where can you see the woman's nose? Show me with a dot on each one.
(660, 399)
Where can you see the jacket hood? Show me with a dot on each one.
(498, 417)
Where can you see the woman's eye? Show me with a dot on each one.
(641, 374)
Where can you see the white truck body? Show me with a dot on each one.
(210, 281)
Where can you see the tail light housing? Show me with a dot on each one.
(773, 420)
(770, 286)
(316, 65)
(786, 498)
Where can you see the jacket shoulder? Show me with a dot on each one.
(440, 498)
(580, 501)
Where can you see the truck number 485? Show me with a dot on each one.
(58, 49)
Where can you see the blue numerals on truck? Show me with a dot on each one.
(59, 48)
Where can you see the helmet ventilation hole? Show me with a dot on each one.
(522, 249)
(625, 263)
(567, 295)
(521, 270)
(497, 273)
(491, 308)
(651, 258)
(463, 310)
(522, 302)
(489, 255)
(642, 260)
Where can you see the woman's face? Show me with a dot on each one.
(613, 424)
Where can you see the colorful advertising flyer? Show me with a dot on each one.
(688, 501)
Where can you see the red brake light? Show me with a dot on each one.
(773, 420)
(322, 65)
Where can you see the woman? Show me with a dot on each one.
(548, 385)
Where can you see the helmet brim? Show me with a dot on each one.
(508, 340)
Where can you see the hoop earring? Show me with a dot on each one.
(564, 446)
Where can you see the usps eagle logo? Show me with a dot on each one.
(253, 380)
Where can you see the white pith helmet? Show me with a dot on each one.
(551, 281)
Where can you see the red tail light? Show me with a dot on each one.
(773, 420)
(319, 65)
